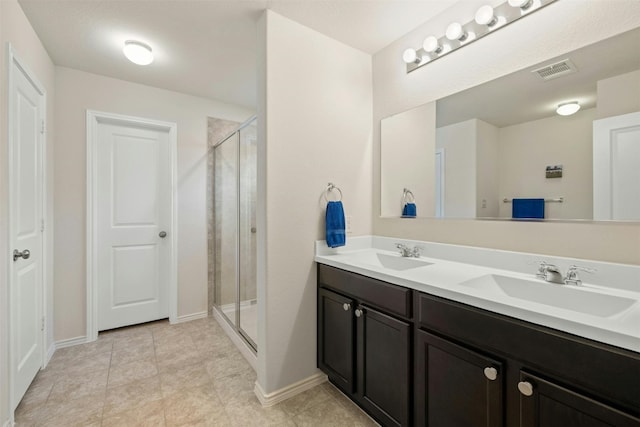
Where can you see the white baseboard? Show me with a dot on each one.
(52, 349)
(289, 391)
(240, 344)
(190, 317)
(70, 342)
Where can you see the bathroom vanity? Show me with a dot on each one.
(411, 349)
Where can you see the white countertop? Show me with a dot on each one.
(446, 279)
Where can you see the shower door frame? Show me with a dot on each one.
(236, 326)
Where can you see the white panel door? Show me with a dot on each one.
(26, 117)
(616, 174)
(133, 215)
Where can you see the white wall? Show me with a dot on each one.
(488, 164)
(315, 116)
(459, 143)
(526, 149)
(558, 28)
(619, 95)
(410, 131)
(78, 91)
(15, 29)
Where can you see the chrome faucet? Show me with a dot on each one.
(572, 277)
(549, 273)
(406, 251)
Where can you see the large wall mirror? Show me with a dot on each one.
(471, 154)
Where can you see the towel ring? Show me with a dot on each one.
(329, 190)
(406, 192)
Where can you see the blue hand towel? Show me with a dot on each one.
(334, 221)
(528, 208)
(409, 210)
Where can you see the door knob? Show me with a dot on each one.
(491, 373)
(346, 306)
(24, 254)
(358, 312)
(162, 234)
(526, 388)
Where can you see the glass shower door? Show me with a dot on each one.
(248, 309)
(226, 226)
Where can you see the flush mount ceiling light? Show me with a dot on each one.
(458, 34)
(568, 108)
(138, 52)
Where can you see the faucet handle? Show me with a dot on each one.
(572, 277)
(416, 251)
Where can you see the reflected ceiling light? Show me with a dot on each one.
(455, 32)
(485, 16)
(138, 52)
(488, 19)
(410, 56)
(568, 108)
(431, 45)
(522, 4)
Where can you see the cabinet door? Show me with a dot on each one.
(544, 403)
(456, 386)
(384, 364)
(336, 338)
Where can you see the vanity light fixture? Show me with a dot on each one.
(487, 20)
(485, 16)
(568, 108)
(431, 45)
(522, 4)
(410, 56)
(138, 52)
(455, 32)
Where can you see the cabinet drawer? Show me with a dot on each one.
(388, 297)
(608, 372)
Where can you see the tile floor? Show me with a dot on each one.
(158, 374)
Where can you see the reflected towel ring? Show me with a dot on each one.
(407, 193)
(329, 190)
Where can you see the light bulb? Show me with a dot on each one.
(485, 16)
(410, 56)
(431, 45)
(455, 32)
(568, 108)
(138, 52)
(522, 4)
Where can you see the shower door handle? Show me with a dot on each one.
(162, 234)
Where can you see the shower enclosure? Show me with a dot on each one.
(234, 230)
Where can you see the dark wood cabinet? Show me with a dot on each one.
(384, 366)
(364, 344)
(543, 403)
(456, 386)
(336, 339)
(410, 358)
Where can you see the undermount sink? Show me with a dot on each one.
(392, 262)
(560, 296)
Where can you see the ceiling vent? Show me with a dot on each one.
(556, 70)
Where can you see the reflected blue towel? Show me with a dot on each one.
(409, 210)
(528, 208)
(334, 222)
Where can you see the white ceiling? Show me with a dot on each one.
(206, 48)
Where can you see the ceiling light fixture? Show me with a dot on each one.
(138, 52)
(485, 16)
(487, 19)
(568, 108)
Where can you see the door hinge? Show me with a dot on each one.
(42, 325)
(42, 128)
